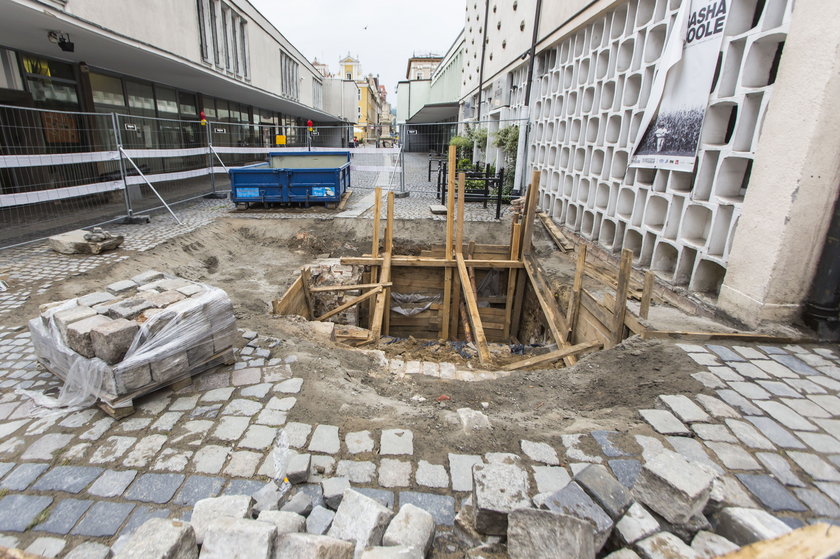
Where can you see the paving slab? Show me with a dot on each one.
(441, 507)
(103, 519)
(64, 515)
(771, 493)
(154, 488)
(70, 479)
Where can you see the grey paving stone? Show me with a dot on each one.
(827, 401)
(22, 477)
(708, 380)
(806, 408)
(807, 386)
(5, 467)
(713, 432)
(89, 550)
(682, 406)
(786, 416)
(64, 516)
(394, 473)
(733, 456)
(154, 488)
(748, 435)
(771, 493)
(325, 439)
(705, 359)
(779, 468)
(604, 439)
(739, 402)
(750, 371)
(776, 369)
(460, 468)
(820, 442)
(139, 517)
(70, 479)
(772, 350)
(693, 451)
(358, 442)
(441, 507)
(573, 501)
(604, 489)
(749, 352)
(626, 471)
(431, 475)
(197, 488)
(725, 373)
(664, 422)
(775, 432)
(103, 519)
(817, 502)
(815, 466)
(386, 498)
(319, 521)
(725, 353)
(830, 489)
(750, 390)
(716, 407)
(243, 487)
(112, 483)
(46, 546)
(778, 388)
(396, 442)
(17, 512)
(550, 478)
(795, 364)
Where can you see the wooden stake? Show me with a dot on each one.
(379, 308)
(472, 311)
(459, 227)
(647, 292)
(447, 248)
(511, 286)
(389, 249)
(574, 300)
(374, 250)
(305, 277)
(555, 319)
(456, 305)
(530, 213)
(620, 309)
(354, 301)
(552, 356)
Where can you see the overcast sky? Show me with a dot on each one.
(382, 33)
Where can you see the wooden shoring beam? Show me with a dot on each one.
(354, 301)
(374, 250)
(530, 213)
(511, 286)
(305, 279)
(328, 288)
(389, 249)
(379, 308)
(647, 292)
(472, 311)
(555, 319)
(447, 248)
(552, 356)
(459, 225)
(280, 306)
(620, 308)
(428, 262)
(574, 299)
(554, 232)
(455, 306)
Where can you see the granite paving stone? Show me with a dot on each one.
(828, 402)
(733, 456)
(708, 380)
(713, 432)
(141, 514)
(64, 515)
(112, 448)
(716, 407)
(394, 473)
(45, 447)
(795, 364)
(431, 475)
(540, 452)
(5, 467)
(103, 519)
(806, 408)
(550, 478)
(396, 442)
(725, 373)
(243, 463)
(817, 502)
(682, 406)
(17, 512)
(358, 442)
(112, 483)
(325, 439)
(705, 359)
(664, 422)
(780, 468)
(243, 487)
(750, 371)
(626, 470)
(771, 493)
(693, 451)
(737, 401)
(778, 388)
(22, 477)
(460, 468)
(46, 546)
(776, 369)
(154, 488)
(231, 428)
(820, 442)
(356, 472)
(775, 432)
(577, 445)
(750, 390)
(830, 426)
(70, 479)
(196, 488)
(814, 466)
(749, 352)
(441, 507)
(725, 353)
(608, 447)
(786, 416)
(748, 435)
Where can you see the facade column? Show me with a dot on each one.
(795, 176)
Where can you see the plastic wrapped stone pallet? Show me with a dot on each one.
(137, 336)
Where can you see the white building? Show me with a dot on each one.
(432, 96)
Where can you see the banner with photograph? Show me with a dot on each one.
(669, 134)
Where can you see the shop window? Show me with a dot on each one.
(107, 93)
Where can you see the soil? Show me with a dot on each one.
(254, 261)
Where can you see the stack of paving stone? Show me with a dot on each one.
(676, 510)
(137, 334)
(332, 272)
(344, 524)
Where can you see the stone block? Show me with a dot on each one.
(129, 309)
(163, 299)
(611, 495)
(708, 545)
(160, 538)
(129, 380)
(540, 452)
(473, 421)
(665, 545)
(78, 334)
(573, 501)
(96, 298)
(268, 498)
(727, 492)
(112, 339)
(498, 490)
(744, 526)
(285, 522)
(147, 277)
(392, 552)
(636, 524)
(73, 242)
(121, 287)
(228, 537)
(665, 423)
(297, 546)
(299, 503)
(169, 367)
(411, 527)
(396, 442)
(623, 554)
(319, 520)
(360, 519)
(200, 353)
(65, 318)
(542, 534)
(207, 510)
(298, 468)
(673, 487)
(460, 468)
(333, 489)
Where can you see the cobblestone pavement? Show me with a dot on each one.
(771, 431)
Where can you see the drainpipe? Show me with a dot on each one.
(822, 308)
(522, 156)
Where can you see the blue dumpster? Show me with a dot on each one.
(305, 177)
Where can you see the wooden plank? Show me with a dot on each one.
(354, 301)
(379, 308)
(553, 232)
(447, 249)
(344, 199)
(552, 356)
(374, 250)
(459, 226)
(328, 288)
(425, 262)
(511, 286)
(620, 308)
(817, 541)
(734, 336)
(530, 212)
(555, 319)
(472, 311)
(306, 280)
(574, 299)
(447, 302)
(281, 305)
(455, 307)
(389, 249)
(647, 291)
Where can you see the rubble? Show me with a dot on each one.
(80, 241)
(411, 527)
(673, 487)
(540, 534)
(498, 490)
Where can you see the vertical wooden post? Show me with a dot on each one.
(647, 293)
(389, 250)
(574, 299)
(530, 213)
(447, 249)
(620, 309)
(459, 227)
(511, 286)
(305, 277)
(374, 249)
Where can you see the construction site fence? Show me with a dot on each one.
(62, 170)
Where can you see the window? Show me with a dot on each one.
(289, 73)
(419, 76)
(107, 93)
(224, 37)
(317, 94)
(349, 76)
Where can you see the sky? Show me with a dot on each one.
(383, 34)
